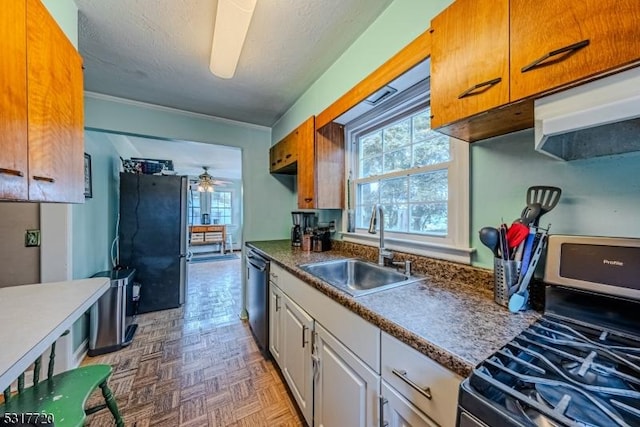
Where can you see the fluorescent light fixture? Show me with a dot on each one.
(232, 23)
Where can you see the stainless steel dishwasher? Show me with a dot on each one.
(258, 299)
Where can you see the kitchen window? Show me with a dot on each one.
(218, 205)
(417, 175)
(221, 207)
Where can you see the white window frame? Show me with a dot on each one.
(230, 206)
(455, 245)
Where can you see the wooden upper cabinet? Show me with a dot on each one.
(284, 155)
(469, 59)
(306, 164)
(330, 166)
(56, 146)
(555, 42)
(13, 102)
(321, 165)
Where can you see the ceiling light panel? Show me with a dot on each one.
(232, 24)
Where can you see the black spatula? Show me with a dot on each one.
(546, 196)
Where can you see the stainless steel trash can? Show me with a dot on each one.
(111, 324)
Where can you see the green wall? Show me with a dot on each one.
(267, 200)
(600, 197)
(396, 27)
(94, 221)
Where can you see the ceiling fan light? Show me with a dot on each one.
(205, 181)
(232, 24)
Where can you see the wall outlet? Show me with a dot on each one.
(32, 238)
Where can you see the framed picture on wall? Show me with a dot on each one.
(88, 184)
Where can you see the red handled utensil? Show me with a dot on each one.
(516, 234)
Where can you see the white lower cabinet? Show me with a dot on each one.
(343, 372)
(346, 390)
(399, 412)
(296, 363)
(275, 322)
(429, 386)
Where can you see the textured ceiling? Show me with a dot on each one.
(157, 51)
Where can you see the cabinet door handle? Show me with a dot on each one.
(304, 329)
(44, 178)
(487, 85)
(426, 392)
(279, 160)
(287, 156)
(569, 50)
(382, 422)
(308, 199)
(13, 172)
(277, 302)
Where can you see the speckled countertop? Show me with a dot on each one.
(449, 316)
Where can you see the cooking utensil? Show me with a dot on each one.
(546, 196)
(519, 299)
(518, 254)
(490, 237)
(516, 234)
(530, 213)
(526, 253)
(504, 246)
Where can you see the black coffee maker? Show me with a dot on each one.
(296, 230)
(303, 222)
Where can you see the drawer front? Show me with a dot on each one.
(408, 370)
(197, 237)
(275, 272)
(213, 237)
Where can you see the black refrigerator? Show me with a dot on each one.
(153, 237)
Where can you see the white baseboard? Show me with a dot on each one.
(80, 353)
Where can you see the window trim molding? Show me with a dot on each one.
(454, 246)
(231, 210)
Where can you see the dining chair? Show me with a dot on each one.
(61, 398)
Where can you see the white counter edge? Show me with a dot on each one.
(9, 376)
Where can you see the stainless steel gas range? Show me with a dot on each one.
(580, 364)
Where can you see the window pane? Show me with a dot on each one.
(396, 217)
(394, 191)
(432, 151)
(397, 135)
(371, 167)
(429, 218)
(397, 160)
(368, 193)
(363, 215)
(430, 187)
(421, 125)
(371, 145)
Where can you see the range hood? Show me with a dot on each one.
(600, 118)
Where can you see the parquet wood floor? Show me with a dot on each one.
(198, 365)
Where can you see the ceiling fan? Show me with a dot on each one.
(206, 183)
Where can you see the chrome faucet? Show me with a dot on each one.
(382, 252)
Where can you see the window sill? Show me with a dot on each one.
(429, 249)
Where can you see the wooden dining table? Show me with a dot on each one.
(34, 316)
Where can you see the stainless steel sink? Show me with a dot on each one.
(358, 277)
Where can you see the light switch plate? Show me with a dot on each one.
(32, 238)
